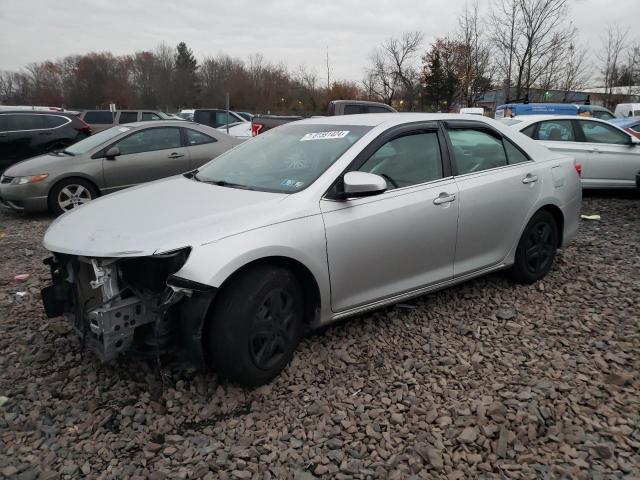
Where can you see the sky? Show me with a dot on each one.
(293, 32)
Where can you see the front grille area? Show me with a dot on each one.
(5, 179)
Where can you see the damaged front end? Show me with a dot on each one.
(131, 303)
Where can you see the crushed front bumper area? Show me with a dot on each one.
(121, 304)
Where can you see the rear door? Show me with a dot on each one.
(498, 187)
(561, 136)
(146, 155)
(27, 136)
(400, 240)
(613, 161)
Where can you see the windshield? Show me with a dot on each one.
(286, 159)
(89, 143)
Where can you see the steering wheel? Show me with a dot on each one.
(389, 179)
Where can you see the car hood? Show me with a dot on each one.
(37, 165)
(161, 216)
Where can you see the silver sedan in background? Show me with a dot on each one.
(306, 224)
(609, 156)
(110, 160)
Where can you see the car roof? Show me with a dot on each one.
(160, 123)
(529, 119)
(40, 112)
(375, 119)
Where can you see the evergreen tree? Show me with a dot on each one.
(186, 79)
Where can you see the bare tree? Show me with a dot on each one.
(504, 17)
(612, 50)
(476, 71)
(394, 70)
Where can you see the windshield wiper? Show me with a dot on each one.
(68, 153)
(224, 183)
(192, 175)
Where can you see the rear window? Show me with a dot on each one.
(54, 121)
(353, 109)
(99, 117)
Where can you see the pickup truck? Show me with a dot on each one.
(262, 123)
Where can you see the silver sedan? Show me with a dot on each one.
(609, 156)
(309, 223)
(110, 160)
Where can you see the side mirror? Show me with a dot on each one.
(634, 142)
(362, 184)
(112, 153)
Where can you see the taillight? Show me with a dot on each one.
(256, 128)
(578, 167)
(83, 126)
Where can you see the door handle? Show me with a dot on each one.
(530, 178)
(444, 198)
(175, 155)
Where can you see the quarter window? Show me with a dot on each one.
(475, 150)
(146, 116)
(197, 138)
(54, 121)
(98, 117)
(556, 131)
(596, 132)
(149, 140)
(529, 131)
(128, 117)
(408, 160)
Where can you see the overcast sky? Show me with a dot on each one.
(289, 31)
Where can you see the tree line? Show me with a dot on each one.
(515, 45)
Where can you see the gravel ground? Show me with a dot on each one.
(484, 380)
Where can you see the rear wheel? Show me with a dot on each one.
(69, 194)
(536, 249)
(255, 325)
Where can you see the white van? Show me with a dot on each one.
(628, 110)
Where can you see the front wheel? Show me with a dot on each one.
(255, 325)
(69, 194)
(536, 249)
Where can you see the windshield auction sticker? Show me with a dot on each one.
(325, 135)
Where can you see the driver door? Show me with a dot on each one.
(146, 155)
(398, 241)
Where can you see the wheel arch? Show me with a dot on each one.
(558, 216)
(308, 282)
(79, 176)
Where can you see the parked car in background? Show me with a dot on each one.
(628, 110)
(310, 223)
(595, 111)
(262, 123)
(31, 107)
(519, 109)
(628, 124)
(110, 160)
(472, 111)
(102, 119)
(24, 133)
(609, 156)
(238, 130)
(246, 115)
(216, 117)
(186, 114)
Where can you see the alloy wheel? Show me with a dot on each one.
(73, 196)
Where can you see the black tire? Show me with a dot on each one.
(255, 325)
(65, 190)
(536, 249)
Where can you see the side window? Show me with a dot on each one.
(197, 138)
(353, 109)
(556, 131)
(149, 140)
(146, 116)
(128, 117)
(597, 132)
(99, 117)
(514, 155)
(4, 123)
(54, 121)
(602, 115)
(221, 119)
(374, 109)
(529, 130)
(27, 122)
(635, 128)
(475, 150)
(408, 160)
